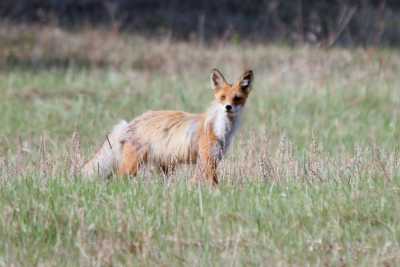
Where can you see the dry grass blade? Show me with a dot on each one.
(76, 160)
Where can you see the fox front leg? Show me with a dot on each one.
(207, 163)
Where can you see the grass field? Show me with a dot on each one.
(312, 179)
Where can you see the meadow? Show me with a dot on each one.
(313, 177)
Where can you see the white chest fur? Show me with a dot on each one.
(223, 126)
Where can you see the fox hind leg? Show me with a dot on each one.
(132, 158)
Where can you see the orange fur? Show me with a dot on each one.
(130, 161)
(168, 138)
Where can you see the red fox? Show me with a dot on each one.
(168, 138)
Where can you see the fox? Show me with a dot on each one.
(167, 138)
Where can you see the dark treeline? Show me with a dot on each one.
(326, 22)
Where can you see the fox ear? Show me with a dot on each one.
(217, 79)
(246, 81)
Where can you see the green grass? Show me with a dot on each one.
(312, 179)
(123, 222)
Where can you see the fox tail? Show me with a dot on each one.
(108, 156)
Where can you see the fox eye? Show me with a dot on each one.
(223, 97)
(237, 99)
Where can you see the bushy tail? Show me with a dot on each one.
(108, 156)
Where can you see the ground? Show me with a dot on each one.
(312, 178)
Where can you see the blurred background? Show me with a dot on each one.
(323, 69)
(29, 26)
(343, 22)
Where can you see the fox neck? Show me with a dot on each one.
(222, 123)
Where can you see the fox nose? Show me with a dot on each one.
(228, 107)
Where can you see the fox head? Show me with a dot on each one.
(231, 97)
